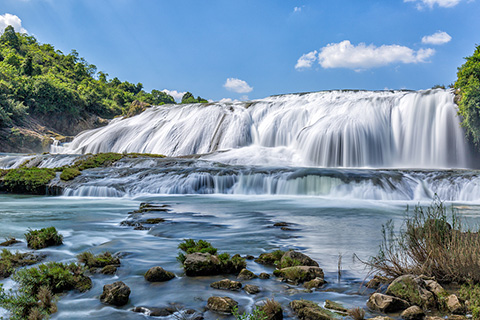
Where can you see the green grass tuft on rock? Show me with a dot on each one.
(46, 237)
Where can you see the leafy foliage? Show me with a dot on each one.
(256, 314)
(38, 79)
(10, 261)
(69, 174)
(38, 286)
(38, 239)
(26, 180)
(468, 95)
(189, 98)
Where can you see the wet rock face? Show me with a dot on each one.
(201, 264)
(412, 289)
(116, 294)
(226, 284)
(246, 275)
(221, 304)
(251, 289)
(158, 274)
(385, 303)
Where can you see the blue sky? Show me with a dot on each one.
(248, 49)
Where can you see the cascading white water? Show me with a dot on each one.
(326, 129)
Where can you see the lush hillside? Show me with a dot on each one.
(44, 92)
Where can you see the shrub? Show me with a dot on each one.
(431, 243)
(38, 239)
(102, 260)
(288, 262)
(357, 313)
(36, 298)
(10, 261)
(69, 174)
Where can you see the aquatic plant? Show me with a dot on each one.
(69, 174)
(256, 314)
(26, 180)
(10, 261)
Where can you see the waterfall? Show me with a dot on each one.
(401, 129)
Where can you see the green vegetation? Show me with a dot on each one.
(270, 258)
(231, 264)
(38, 80)
(257, 314)
(46, 237)
(69, 174)
(287, 262)
(192, 246)
(471, 293)
(10, 261)
(38, 288)
(432, 243)
(468, 95)
(189, 98)
(99, 261)
(97, 160)
(26, 180)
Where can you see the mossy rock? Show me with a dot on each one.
(100, 261)
(46, 237)
(26, 180)
(299, 274)
(10, 261)
(308, 310)
(270, 258)
(69, 174)
(158, 274)
(412, 289)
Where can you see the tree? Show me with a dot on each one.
(27, 67)
(468, 95)
(9, 38)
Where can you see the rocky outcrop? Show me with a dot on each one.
(387, 304)
(116, 294)
(314, 284)
(221, 304)
(158, 274)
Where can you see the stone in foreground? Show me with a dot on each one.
(413, 313)
(308, 310)
(385, 303)
(116, 294)
(158, 274)
(221, 304)
(226, 284)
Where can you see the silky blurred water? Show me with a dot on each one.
(321, 228)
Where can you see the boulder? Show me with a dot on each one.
(201, 264)
(158, 274)
(251, 289)
(436, 288)
(246, 275)
(155, 312)
(294, 256)
(388, 304)
(314, 284)
(413, 313)
(270, 258)
(226, 284)
(264, 275)
(454, 305)
(412, 289)
(299, 274)
(221, 304)
(116, 294)
(110, 269)
(308, 310)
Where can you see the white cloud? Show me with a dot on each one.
(228, 100)
(439, 37)
(306, 60)
(175, 94)
(360, 57)
(297, 9)
(8, 19)
(431, 3)
(237, 85)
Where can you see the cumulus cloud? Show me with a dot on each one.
(8, 19)
(361, 57)
(431, 3)
(439, 37)
(175, 94)
(306, 60)
(237, 85)
(297, 9)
